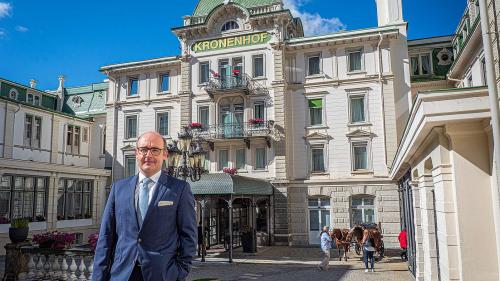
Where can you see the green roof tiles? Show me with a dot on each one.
(86, 100)
(204, 7)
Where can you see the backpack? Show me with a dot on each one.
(370, 242)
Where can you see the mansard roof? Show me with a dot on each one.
(204, 7)
(86, 100)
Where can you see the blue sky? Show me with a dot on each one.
(42, 39)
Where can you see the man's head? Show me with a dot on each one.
(325, 228)
(150, 153)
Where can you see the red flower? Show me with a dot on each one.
(195, 125)
(256, 121)
(236, 72)
(231, 171)
(216, 74)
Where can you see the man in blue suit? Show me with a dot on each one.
(148, 229)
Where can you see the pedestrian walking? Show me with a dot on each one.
(326, 245)
(368, 250)
(403, 243)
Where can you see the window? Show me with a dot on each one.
(164, 82)
(315, 111)
(74, 199)
(203, 116)
(13, 94)
(131, 127)
(204, 72)
(421, 64)
(240, 158)
(73, 139)
(360, 155)
(362, 210)
(33, 99)
(260, 158)
(129, 166)
(223, 159)
(162, 123)
(230, 25)
(319, 213)
(313, 65)
(258, 110)
(103, 140)
(23, 197)
(317, 158)
(32, 131)
(355, 61)
(133, 87)
(258, 66)
(85, 134)
(357, 108)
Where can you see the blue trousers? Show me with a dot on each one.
(368, 255)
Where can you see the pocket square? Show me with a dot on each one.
(165, 203)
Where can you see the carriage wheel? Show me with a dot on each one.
(357, 248)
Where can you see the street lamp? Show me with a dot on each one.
(185, 157)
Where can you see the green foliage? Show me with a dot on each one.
(19, 223)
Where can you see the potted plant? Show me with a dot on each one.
(256, 121)
(18, 231)
(54, 240)
(236, 72)
(248, 239)
(196, 125)
(93, 240)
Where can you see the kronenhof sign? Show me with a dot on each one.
(231, 42)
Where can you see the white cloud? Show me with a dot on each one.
(313, 24)
(2, 33)
(5, 9)
(21, 29)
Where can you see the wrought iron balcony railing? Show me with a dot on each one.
(236, 130)
(241, 82)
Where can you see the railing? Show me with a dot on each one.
(52, 264)
(236, 130)
(240, 82)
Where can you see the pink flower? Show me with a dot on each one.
(196, 125)
(231, 171)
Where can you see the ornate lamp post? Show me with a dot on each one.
(185, 157)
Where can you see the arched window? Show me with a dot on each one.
(230, 25)
(13, 94)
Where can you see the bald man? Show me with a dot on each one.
(148, 229)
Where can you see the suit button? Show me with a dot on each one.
(139, 240)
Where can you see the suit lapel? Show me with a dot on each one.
(131, 196)
(160, 189)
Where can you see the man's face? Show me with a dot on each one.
(150, 154)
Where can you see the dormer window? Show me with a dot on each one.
(230, 25)
(13, 94)
(33, 99)
(77, 100)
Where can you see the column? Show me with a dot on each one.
(428, 227)
(10, 119)
(419, 255)
(52, 202)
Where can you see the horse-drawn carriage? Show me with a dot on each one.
(345, 238)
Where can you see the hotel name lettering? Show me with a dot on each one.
(231, 42)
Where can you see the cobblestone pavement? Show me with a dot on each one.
(297, 264)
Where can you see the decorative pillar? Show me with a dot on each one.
(428, 227)
(419, 253)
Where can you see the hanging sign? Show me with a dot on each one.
(231, 42)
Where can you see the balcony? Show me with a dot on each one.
(244, 131)
(236, 83)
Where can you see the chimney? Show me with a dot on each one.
(60, 93)
(33, 83)
(389, 12)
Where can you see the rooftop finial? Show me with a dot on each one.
(33, 83)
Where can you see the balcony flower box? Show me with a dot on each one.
(236, 72)
(196, 125)
(54, 240)
(256, 121)
(231, 171)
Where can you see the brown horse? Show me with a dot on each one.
(357, 232)
(342, 240)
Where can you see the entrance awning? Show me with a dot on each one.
(223, 183)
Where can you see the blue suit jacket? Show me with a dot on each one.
(165, 243)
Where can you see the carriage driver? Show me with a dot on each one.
(326, 245)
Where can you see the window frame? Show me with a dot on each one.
(362, 60)
(309, 121)
(203, 63)
(358, 143)
(75, 192)
(85, 134)
(129, 87)
(33, 96)
(219, 168)
(34, 131)
(244, 158)
(313, 55)
(226, 28)
(161, 76)
(263, 66)
(258, 103)
(264, 168)
(157, 113)
(315, 146)
(11, 190)
(15, 92)
(350, 97)
(362, 207)
(127, 165)
(204, 126)
(127, 136)
(75, 143)
(419, 61)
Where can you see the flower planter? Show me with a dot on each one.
(17, 235)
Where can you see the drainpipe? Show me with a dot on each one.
(379, 51)
(495, 117)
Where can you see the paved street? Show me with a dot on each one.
(297, 264)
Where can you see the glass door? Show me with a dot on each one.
(319, 216)
(225, 73)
